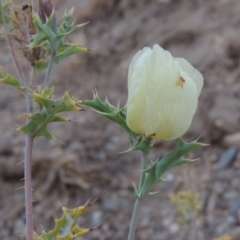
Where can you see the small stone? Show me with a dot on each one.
(235, 207)
(231, 195)
(227, 158)
(75, 147)
(232, 140)
(218, 187)
(174, 228)
(96, 217)
(223, 175)
(231, 220)
(110, 204)
(19, 227)
(169, 176)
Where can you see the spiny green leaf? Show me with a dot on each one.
(68, 51)
(181, 161)
(62, 53)
(78, 232)
(45, 31)
(40, 65)
(12, 81)
(49, 112)
(99, 105)
(107, 110)
(136, 193)
(37, 125)
(64, 104)
(57, 118)
(65, 228)
(174, 158)
(168, 160)
(53, 41)
(150, 179)
(142, 144)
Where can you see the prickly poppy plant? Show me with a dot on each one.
(41, 41)
(162, 99)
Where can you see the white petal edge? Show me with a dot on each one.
(192, 72)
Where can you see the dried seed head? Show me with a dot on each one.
(45, 9)
(23, 28)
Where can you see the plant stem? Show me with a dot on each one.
(14, 58)
(49, 69)
(137, 205)
(28, 187)
(193, 228)
(28, 177)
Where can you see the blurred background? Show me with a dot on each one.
(85, 163)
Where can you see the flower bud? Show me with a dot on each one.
(45, 9)
(163, 94)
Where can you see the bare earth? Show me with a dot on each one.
(85, 163)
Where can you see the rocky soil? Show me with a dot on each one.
(85, 163)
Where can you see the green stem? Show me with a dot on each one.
(49, 69)
(28, 145)
(28, 187)
(137, 205)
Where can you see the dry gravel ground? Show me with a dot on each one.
(87, 164)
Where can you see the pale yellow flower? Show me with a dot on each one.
(163, 94)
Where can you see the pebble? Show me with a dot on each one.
(232, 140)
(174, 228)
(169, 176)
(231, 195)
(223, 175)
(235, 207)
(75, 147)
(218, 187)
(231, 220)
(110, 204)
(19, 227)
(227, 158)
(96, 218)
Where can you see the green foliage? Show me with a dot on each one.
(12, 81)
(142, 143)
(48, 108)
(54, 41)
(65, 227)
(115, 114)
(154, 173)
(174, 158)
(3, 9)
(49, 112)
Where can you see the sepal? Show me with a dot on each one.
(136, 192)
(142, 143)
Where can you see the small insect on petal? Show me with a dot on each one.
(180, 82)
